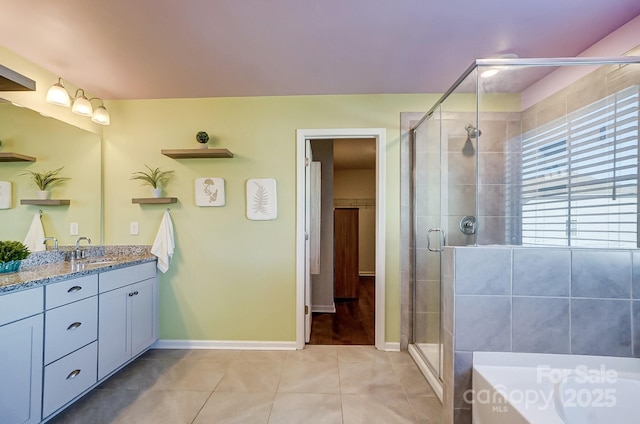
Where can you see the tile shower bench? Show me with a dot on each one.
(66, 327)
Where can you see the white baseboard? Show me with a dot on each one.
(392, 347)
(223, 344)
(330, 309)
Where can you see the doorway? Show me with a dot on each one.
(343, 289)
(304, 303)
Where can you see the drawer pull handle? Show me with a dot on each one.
(73, 374)
(74, 325)
(74, 289)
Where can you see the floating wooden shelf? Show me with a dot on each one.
(197, 153)
(154, 200)
(45, 202)
(15, 157)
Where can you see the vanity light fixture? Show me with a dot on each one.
(58, 95)
(81, 104)
(101, 115)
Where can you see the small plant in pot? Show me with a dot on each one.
(11, 255)
(155, 177)
(45, 180)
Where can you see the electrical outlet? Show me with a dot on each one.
(73, 229)
(133, 228)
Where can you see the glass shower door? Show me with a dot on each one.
(429, 239)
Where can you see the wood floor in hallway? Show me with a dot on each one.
(353, 322)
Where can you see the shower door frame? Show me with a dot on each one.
(434, 369)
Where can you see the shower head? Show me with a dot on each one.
(472, 132)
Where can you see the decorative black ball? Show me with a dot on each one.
(202, 137)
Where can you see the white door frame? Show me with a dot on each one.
(329, 134)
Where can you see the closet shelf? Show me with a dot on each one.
(15, 157)
(197, 153)
(154, 200)
(45, 202)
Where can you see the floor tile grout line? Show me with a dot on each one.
(204, 404)
(275, 396)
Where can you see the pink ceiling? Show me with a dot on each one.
(132, 49)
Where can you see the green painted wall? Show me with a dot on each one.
(231, 278)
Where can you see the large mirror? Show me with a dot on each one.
(54, 144)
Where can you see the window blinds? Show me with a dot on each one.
(580, 176)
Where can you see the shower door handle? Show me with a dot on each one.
(442, 239)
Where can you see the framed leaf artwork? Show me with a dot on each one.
(262, 202)
(210, 191)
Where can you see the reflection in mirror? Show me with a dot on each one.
(54, 144)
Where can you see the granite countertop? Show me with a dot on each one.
(50, 267)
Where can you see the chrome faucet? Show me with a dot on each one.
(55, 242)
(79, 254)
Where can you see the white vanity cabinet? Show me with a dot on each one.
(21, 348)
(70, 341)
(127, 323)
(60, 340)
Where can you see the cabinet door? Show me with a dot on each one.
(114, 342)
(143, 315)
(21, 349)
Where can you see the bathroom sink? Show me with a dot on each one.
(101, 261)
(91, 263)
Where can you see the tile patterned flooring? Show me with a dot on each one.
(320, 384)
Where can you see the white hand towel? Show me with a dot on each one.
(5, 194)
(164, 245)
(35, 236)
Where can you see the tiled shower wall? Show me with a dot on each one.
(535, 300)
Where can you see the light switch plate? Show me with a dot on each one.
(133, 228)
(73, 229)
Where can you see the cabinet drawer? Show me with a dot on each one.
(21, 304)
(64, 292)
(70, 327)
(68, 377)
(111, 280)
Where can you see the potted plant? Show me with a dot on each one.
(45, 181)
(155, 178)
(203, 138)
(11, 255)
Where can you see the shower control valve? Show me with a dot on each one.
(468, 225)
